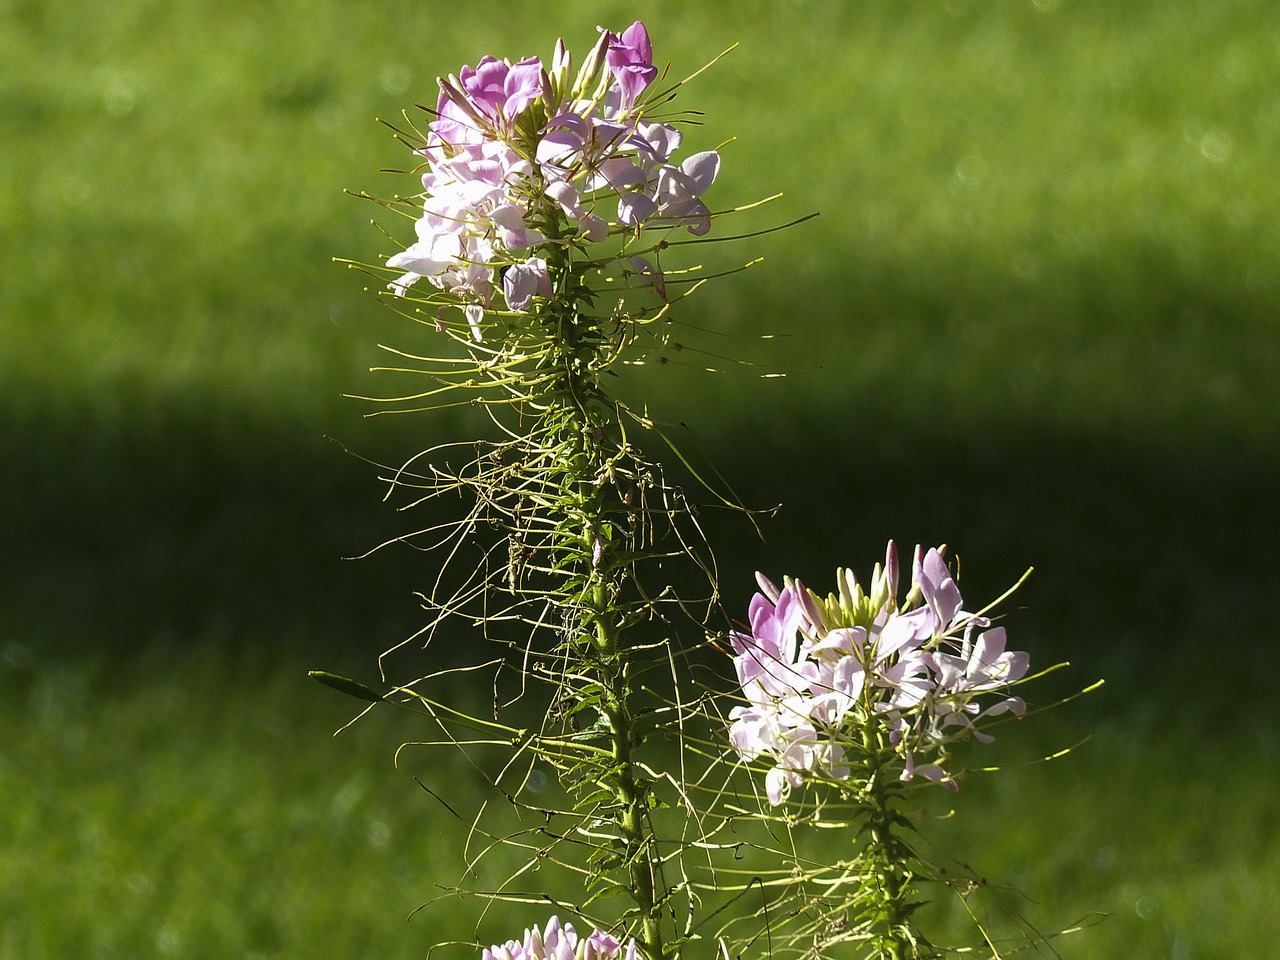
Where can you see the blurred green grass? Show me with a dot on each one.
(1037, 319)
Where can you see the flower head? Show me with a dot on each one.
(817, 675)
(515, 155)
(487, 98)
(557, 942)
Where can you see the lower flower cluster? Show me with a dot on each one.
(557, 942)
(823, 676)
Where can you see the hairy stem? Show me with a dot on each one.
(888, 858)
(585, 425)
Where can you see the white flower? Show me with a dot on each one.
(558, 942)
(814, 673)
(523, 280)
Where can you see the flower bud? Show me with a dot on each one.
(451, 88)
(550, 90)
(767, 587)
(891, 568)
(592, 67)
(917, 568)
(561, 59)
(847, 584)
(812, 610)
(556, 82)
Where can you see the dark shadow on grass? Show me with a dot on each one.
(180, 536)
(190, 532)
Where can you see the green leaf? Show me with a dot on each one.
(610, 890)
(595, 798)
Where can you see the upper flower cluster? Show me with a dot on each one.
(521, 158)
(825, 680)
(558, 942)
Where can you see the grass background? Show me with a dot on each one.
(1037, 319)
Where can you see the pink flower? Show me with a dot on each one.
(493, 95)
(935, 581)
(523, 280)
(645, 274)
(814, 672)
(630, 60)
(596, 154)
(679, 191)
(798, 693)
(468, 217)
(765, 659)
(985, 667)
(930, 771)
(557, 942)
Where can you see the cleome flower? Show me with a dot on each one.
(484, 101)
(556, 942)
(821, 676)
(517, 154)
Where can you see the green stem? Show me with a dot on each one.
(583, 423)
(633, 827)
(887, 856)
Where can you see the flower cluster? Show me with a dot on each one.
(520, 160)
(558, 942)
(828, 681)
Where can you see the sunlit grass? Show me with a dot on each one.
(1036, 318)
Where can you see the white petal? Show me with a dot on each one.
(475, 314)
(701, 168)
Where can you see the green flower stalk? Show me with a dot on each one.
(551, 198)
